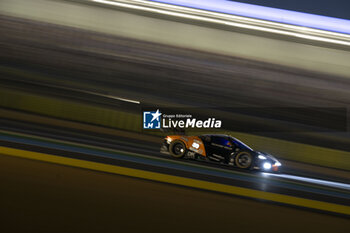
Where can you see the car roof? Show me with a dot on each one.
(235, 139)
(221, 135)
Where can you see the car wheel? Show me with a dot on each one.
(177, 149)
(244, 160)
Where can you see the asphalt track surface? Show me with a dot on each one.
(42, 197)
(116, 151)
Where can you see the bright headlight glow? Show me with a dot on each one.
(267, 166)
(277, 164)
(261, 157)
(237, 21)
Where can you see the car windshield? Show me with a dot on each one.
(240, 144)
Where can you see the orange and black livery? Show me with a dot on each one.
(220, 149)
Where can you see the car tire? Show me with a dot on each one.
(177, 149)
(244, 160)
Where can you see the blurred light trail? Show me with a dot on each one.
(311, 180)
(233, 20)
(115, 97)
(90, 92)
(267, 13)
(99, 94)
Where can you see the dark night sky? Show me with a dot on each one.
(333, 8)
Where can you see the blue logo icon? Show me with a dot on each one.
(151, 120)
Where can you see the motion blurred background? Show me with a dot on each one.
(83, 71)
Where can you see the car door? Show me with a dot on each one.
(220, 148)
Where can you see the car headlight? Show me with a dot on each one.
(267, 166)
(261, 157)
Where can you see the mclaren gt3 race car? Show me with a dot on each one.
(221, 149)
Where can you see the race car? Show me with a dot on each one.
(221, 149)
